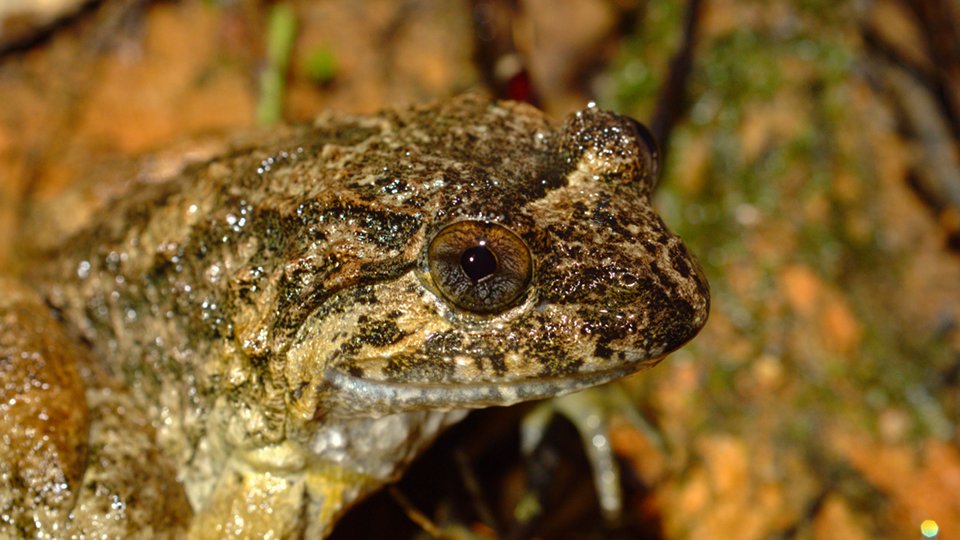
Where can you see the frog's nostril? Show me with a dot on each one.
(627, 280)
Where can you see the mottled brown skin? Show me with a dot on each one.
(74, 442)
(273, 309)
(43, 413)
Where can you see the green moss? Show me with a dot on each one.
(640, 65)
(320, 66)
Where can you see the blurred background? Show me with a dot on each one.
(811, 164)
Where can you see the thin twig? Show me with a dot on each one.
(672, 99)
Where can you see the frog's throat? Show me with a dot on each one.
(357, 396)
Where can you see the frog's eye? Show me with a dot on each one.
(605, 145)
(479, 266)
(649, 150)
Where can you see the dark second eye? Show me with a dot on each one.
(479, 266)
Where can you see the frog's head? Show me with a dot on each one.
(542, 270)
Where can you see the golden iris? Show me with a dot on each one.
(479, 266)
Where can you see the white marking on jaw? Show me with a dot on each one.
(365, 397)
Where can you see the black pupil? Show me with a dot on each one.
(478, 262)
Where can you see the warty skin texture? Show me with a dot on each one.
(273, 311)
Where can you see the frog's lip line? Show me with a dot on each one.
(398, 397)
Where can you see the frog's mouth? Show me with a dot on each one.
(360, 396)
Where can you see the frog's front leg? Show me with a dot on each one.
(255, 497)
(278, 491)
(590, 412)
(300, 487)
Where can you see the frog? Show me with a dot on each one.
(251, 343)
